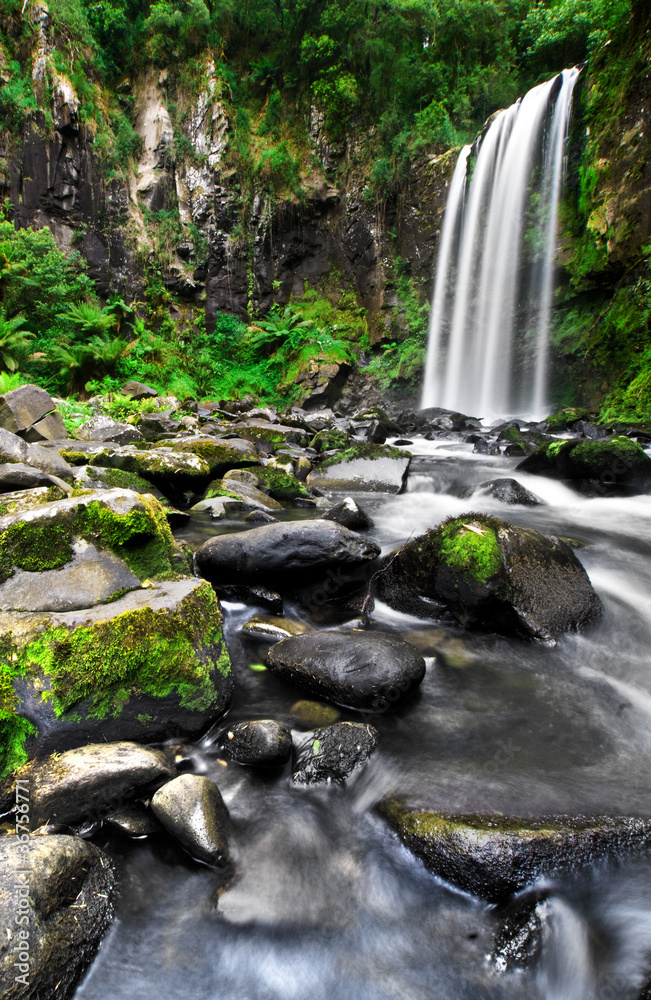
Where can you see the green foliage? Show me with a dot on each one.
(470, 548)
(176, 29)
(564, 32)
(13, 341)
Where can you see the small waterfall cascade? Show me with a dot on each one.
(489, 325)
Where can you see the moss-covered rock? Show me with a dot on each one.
(564, 419)
(166, 469)
(363, 466)
(618, 465)
(495, 856)
(149, 665)
(329, 440)
(492, 574)
(219, 456)
(132, 526)
(283, 486)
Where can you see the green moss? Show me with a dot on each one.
(554, 448)
(561, 421)
(364, 450)
(329, 440)
(118, 478)
(34, 546)
(470, 547)
(432, 827)
(142, 538)
(219, 457)
(218, 491)
(74, 457)
(156, 653)
(283, 486)
(591, 455)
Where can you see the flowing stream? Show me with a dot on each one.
(497, 229)
(323, 901)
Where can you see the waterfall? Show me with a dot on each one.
(489, 331)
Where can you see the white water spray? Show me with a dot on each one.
(475, 362)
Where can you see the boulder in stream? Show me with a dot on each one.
(491, 574)
(367, 671)
(331, 755)
(192, 810)
(67, 903)
(365, 467)
(495, 856)
(296, 547)
(509, 491)
(617, 466)
(90, 781)
(264, 743)
(350, 514)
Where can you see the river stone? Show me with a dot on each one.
(192, 810)
(49, 460)
(314, 713)
(91, 577)
(261, 517)
(492, 574)
(367, 671)
(250, 494)
(134, 820)
(495, 856)
(12, 448)
(618, 466)
(18, 476)
(363, 468)
(24, 406)
(296, 547)
(330, 755)
(50, 428)
(71, 884)
(90, 780)
(219, 456)
(519, 938)
(138, 390)
(264, 742)
(272, 629)
(161, 467)
(348, 513)
(24, 500)
(102, 428)
(144, 667)
(509, 491)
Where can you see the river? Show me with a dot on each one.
(322, 901)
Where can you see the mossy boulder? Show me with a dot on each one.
(270, 436)
(23, 500)
(363, 467)
(168, 470)
(219, 456)
(561, 421)
(329, 440)
(131, 526)
(68, 908)
(617, 466)
(280, 484)
(491, 574)
(495, 856)
(149, 665)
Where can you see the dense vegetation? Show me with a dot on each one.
(407, 76)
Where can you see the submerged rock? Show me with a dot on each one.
(68, 903)
(134, 820)
(492, 574)
(87, 782)
(297, 547)
(330, 755)
(192, 810)
(495, 856)
(617, 466)
(518, 941)
(314, 713)
(368, 671)
(264, 743)
(350, 514)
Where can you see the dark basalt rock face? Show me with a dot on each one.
(368, 671)
(264, 743)
(495, 856)
(299, 547)
(602, 468)
(492, 574)
(69, 907)
(331, 755)
(518, 940)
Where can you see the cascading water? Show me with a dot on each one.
(473, 364)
